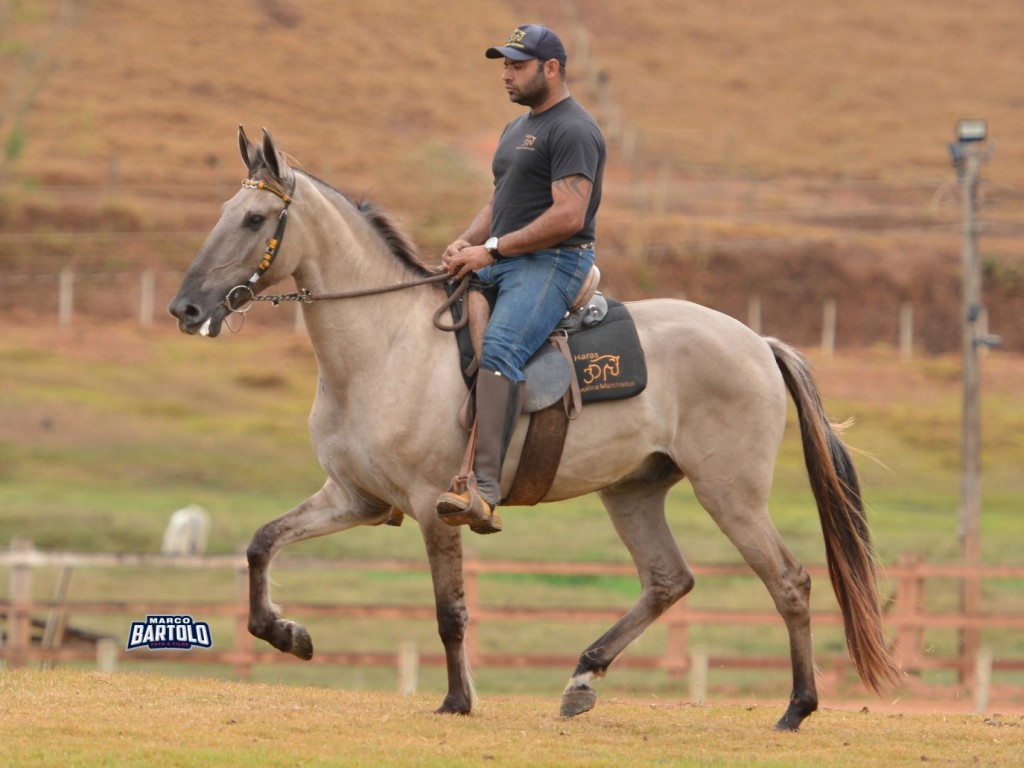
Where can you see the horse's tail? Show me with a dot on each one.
(848, 550)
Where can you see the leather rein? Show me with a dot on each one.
(238, 303)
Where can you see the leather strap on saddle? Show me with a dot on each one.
(541, 455)
(466, 479)
(573, 398)
(545, 440)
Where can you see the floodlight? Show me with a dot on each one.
(971, 130)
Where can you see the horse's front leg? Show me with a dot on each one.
(328, 511)
(444, 552)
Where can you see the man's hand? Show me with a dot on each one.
(460, 258)
(452, 251)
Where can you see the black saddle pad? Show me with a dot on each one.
(609, 360)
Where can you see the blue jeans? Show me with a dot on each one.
(534, 291)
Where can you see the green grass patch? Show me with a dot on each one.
(101, 439)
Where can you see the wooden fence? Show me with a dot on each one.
(39, 631)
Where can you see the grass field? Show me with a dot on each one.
(106, 430)
(63, 718)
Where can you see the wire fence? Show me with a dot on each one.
(73, 297)
(844, 220)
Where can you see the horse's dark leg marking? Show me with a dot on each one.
(638, 512)
(744, 519)
(790, 588)
(793, 603)
(265, 620)
(451, 626)
(444, 552)
(321, 514)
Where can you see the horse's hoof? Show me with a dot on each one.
(302, 643)
(796, 713)
(576, 701)
(453, 706)
(786, 725)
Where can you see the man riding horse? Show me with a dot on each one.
(531, 248)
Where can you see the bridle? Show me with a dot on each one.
(237, 303)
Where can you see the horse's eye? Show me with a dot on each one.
(255, 220)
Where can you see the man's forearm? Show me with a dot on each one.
(480, 228)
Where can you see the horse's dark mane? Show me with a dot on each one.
(387, 227)
(398, 241)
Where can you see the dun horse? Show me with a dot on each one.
(385, 427)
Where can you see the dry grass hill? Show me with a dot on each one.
(796, 151)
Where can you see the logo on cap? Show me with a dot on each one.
(516, 39)
(530, 41)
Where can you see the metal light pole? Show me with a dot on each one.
(967, 159)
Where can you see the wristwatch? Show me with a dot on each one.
(491, 244)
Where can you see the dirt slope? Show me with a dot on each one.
(790, 153)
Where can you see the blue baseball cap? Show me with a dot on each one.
(530, 41)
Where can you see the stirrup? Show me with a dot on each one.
(468, 508)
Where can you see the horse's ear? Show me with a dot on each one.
(250, 152)
(274, 160)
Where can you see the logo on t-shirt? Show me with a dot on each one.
(528, 141)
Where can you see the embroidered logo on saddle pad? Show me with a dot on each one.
(609, 361)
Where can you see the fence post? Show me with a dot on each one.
(699, 676)
(53, 634)
(910, 604)
(243, 651)
(906, 330)
(66, 297)
(828, 328)
(408, 668)
(982, 679)
(106, 655)
(147, 299)
(754, 314)
(19, 618)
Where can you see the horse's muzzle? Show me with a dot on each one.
(193, 319)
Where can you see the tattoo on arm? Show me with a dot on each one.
(578, 186)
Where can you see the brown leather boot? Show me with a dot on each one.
(498, 404)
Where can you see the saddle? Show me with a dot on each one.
(593, 355)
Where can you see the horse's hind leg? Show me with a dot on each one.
(638, 512)
(323, 513)
(741, 510)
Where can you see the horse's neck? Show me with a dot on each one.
(355, 337)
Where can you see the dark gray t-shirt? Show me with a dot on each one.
(536, 150)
